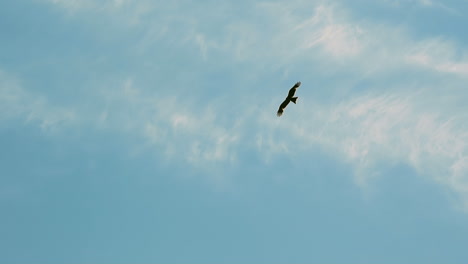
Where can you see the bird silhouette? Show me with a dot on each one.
(289, 98)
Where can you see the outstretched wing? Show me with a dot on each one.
(282, 107)
(289, 98)
(292, 91)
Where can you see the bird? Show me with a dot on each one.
(289, 98)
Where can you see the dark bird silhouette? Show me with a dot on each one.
(288, 99)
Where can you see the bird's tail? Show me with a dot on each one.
(294, 99)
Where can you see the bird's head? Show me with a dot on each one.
(298, 84)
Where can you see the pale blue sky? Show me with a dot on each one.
(146, 131)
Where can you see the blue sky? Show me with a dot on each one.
(146, 131)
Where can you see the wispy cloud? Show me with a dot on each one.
(369, 132)
(295, 31)
(170, 123)
(326, 33)
(441, 56)
(403, 122)
(18, 103)
(379, 131)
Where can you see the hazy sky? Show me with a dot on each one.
(140, 131)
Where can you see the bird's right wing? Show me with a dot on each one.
(282, 107)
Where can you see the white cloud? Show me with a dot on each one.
(282, 33)
(368, 131)
(375, 132)
(165, 122)
(18, 103)
(440, 56)
(170, 124)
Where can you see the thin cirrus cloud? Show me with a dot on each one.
(365, 132)
(393, 123)
(407, 124)
(440, 56)
(397, 127)
(167, 123)
(326, 32)
(17, 102)
(375, 131)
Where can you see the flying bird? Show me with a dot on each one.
(289, 98)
